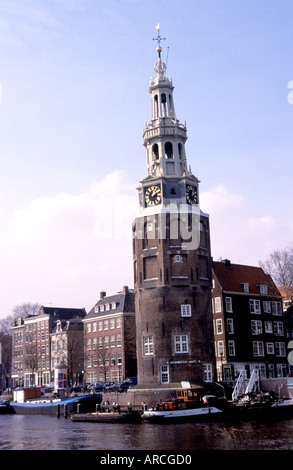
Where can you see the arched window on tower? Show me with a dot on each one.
(155, 152)
(168, 150)
(171, 106)
(164, 105)
(156, 106)
(180, 150)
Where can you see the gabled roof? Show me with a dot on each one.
(231, 278)
(124, 302)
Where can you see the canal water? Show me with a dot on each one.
(19, 432)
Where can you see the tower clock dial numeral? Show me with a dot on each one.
(153, 195)
(191, 194)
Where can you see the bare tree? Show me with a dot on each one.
(25, 310)
(20, 311)
(280, 266)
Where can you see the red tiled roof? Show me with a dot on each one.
(231, 276)
(286, 292)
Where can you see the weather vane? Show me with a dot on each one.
(159, 39)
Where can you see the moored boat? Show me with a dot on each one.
(255, 404)
(55, 406)
(188, 405)
(110, 417)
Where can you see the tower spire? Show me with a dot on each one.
(159, 39)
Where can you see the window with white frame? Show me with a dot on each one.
(164, 374)
(220, 345)
(276, 308)
(270, 348)
(119, 359)
(271, 371)
(281, 370)
(186, 310)
(263, 289)
(278, 328)
(100, 325)
(258, 348)
(118, 340)
(228, 304)
(230, 326)
(254, 306)
(106, 324)
(207, 372)
(268, 327)
(280, 349)
(148, 345)
(217, 304)
(266, 306)
(219, 326)
(256, 327)
(231, 348)
(106, 341)
(94, 327)
(112, 324)
(245, 286)
(88, 328)
(181, 344)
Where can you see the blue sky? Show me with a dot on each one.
(74, 78)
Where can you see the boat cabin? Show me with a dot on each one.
(188, 394)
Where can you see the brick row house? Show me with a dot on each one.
(248, 322)
(110, 339)
(31, 345)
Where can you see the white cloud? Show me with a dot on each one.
(238, 234)
(65, 249)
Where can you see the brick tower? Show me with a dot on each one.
(171, 253)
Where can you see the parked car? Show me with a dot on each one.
(49, 388)
(113, 387)
(122, 386)
(79, 388)
(96, 386)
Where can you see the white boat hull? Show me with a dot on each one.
(189, 413)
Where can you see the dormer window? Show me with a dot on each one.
(263, 289)
(245, 286)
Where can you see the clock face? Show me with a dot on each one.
(153, 195)
(191, 194)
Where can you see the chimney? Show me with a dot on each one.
(227, 263)
(102, 294)
(125, 289)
